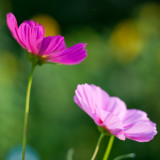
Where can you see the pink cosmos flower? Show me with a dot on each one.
(112, 114)
(30, 35)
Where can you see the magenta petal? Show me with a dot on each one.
(51, 44)
(31, 23)
(30, 35)
(41, 30)
(141, 131)
(70, 56)
(13, 26)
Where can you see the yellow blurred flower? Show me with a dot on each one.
(51, 26)
(126, 41)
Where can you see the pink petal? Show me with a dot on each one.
(13, 26)
(137, 126)
(92, 103)
(141, 131)
(94, 99)
(115, 106)
(112, 114)
(102, 96)
(51, 44)
(30, 35)
(84, 98)
(70, 56)
(86, 108)
(113, 124)
(134, 115)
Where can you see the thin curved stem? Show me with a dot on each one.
(97, 146)
(106, 155)
(27, 112)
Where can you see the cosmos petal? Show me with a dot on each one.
(114, 125)
(70, 56)
(94, 98)
(111, 113)
(134, 115)
(51, 44)
(141, 131)
(30, 35)
(13, 26)
(115, 106)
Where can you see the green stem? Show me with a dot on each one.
(106, 155)
(97, 146)
(27, 111)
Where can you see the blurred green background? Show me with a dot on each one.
(123, 58)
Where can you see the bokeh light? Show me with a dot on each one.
(51, 26)
(16, 154)
(126, 41)
(149, 19)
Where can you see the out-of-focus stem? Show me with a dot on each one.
(97, 146)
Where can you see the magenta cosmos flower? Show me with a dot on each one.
(112, 114)
(30, 35)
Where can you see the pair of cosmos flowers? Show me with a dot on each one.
(108, 112)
